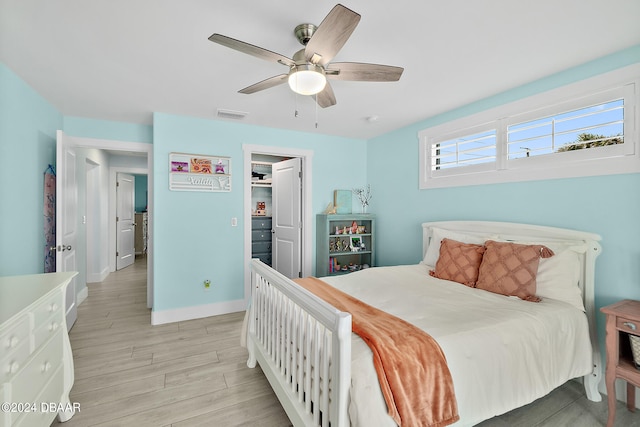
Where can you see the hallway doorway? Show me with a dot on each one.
(101, 160)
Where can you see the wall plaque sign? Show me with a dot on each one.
(194, 172)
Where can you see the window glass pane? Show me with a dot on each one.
(466, 150)
(590, 127)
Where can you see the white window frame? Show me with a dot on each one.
(476, 168)
(609, 160)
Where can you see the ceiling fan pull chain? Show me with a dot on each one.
(295, 97)
(316, 96)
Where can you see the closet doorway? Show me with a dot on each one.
(277, 206)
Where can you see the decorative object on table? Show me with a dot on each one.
(260, 209)
(342, 201)
(364, 195)
(49, 220)
(194, 172)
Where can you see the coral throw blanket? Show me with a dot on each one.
(412, 369)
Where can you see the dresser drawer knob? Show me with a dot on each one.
(53, 326)
(53, 307)
(630, 325)
(46, 366)
(12, 342)
(13, 367)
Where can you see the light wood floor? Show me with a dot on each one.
(194, 373)
(129, 373)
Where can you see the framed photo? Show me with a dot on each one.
(356, 244)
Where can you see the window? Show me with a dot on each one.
(567, 132)
(590, 127)
(465, 150)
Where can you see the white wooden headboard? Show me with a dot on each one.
(538, 233)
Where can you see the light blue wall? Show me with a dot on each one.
(107, 129)
(28, 125)
(575, 203)
(193, 237)
(606, 205)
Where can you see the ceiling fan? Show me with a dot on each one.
(311, 66)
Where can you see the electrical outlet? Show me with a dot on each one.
(207, 284)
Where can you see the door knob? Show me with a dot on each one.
(63, 248)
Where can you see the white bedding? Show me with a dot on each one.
(502, 352)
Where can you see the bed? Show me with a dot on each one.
(503, 352)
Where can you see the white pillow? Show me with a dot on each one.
(559, 275)
(437, 234)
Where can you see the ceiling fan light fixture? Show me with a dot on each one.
(307, 79)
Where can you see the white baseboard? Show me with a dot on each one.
(98, 277)
(82, 295)
(197, 312)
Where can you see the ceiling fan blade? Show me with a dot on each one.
(358, 71)
(250, 49)
(265, 84)
(326, 98)
(332, 33)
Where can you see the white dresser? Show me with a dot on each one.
(36, 364)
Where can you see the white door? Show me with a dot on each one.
(67, 217)
(125, 220)
(287, 217)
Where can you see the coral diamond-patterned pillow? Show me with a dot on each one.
(458, 262)
(511, 269)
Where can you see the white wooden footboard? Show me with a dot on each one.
(303, 345)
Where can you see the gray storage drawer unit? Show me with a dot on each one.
(261, 239)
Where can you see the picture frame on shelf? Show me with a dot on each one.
(342, 201)
(356, 243)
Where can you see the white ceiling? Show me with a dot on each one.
(123, 60)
